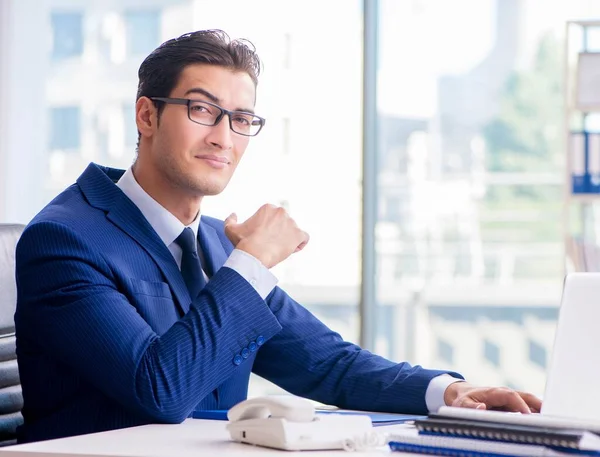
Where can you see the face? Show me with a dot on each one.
(196, 159)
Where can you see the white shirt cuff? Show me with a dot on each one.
(253, 271)
(434, 395)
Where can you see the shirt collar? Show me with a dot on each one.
(164, 223)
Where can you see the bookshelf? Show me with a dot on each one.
(581, 212)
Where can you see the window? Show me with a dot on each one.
(67, 35)
(393, 208)
(470, 143)
(445, 351)
(65, 128)
(142, 30)
(491, 352)
(469, 108)
(537, 354)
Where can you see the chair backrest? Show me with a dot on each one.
(11, 399)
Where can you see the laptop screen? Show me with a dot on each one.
(573, 378)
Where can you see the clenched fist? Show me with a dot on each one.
(270, 235)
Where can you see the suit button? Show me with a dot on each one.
(252, 346)
(260, 340)
(245, 353)
(237, 360)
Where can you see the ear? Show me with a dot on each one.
(146, 117)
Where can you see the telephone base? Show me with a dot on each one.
(322, 433)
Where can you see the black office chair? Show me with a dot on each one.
(11, 399)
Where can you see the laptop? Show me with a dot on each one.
(572, 393)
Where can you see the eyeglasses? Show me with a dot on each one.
(206, 113)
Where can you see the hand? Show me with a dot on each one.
(465, 395)
(270, 235)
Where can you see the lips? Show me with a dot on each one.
(213, 158)
(213, 161)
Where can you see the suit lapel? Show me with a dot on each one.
(212, 249)
(99, 188)
(128, 217)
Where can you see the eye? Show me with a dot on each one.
(242, 119)
(198, 108)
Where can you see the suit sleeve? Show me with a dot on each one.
(68, 299)
(308, 359)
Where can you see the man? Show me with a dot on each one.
(117, 323)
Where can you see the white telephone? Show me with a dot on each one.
(291, 423)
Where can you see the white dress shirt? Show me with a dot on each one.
(168, 228)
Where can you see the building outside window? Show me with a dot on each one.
(142, 31)
(65, 128)
(67, 35)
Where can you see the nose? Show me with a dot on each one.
(220, 135)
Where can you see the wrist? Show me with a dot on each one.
(454, 390)
(254, 251)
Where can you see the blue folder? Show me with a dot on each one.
(212, 414)
(379, 419)
(376, 418)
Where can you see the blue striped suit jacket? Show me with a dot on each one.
(108, 337)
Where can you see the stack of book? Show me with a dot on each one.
(475, 436)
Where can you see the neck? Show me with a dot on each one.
(182, 205)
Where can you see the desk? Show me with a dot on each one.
(192, 438)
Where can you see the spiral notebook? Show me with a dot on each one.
(551, 437)
(467, 447)
(529, 420)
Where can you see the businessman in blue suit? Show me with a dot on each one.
(134, 309)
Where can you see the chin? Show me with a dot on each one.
(210, 189)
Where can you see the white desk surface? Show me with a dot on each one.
(191, 438)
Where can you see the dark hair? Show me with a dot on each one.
(159, 72)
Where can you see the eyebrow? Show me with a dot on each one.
(213, 98)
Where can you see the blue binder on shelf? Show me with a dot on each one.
(578, 143)
(593, 162)
(585, 162)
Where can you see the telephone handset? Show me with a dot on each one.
(291, 423)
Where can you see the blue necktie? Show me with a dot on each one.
(191, 269)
